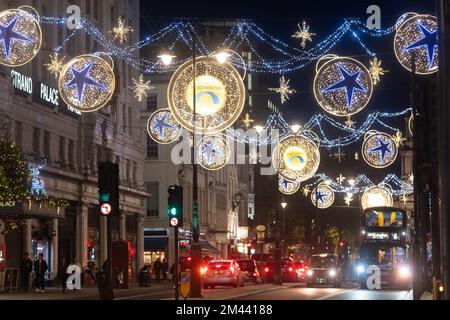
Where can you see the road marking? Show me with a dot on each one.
(336, 294)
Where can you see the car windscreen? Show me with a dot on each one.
(219, 266)
(322, 262)
(246, 265)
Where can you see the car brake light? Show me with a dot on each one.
(302, 270)
(266, 270)
(254, 274)
(290, 269)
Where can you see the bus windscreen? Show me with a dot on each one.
(384, 218)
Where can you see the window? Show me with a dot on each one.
(152, 149)
(47, 145)
(130, 122)
(152, 102)
(134, 175)
(36, 144)
(62, 152)
(72, 154)
(19, 134)
(124, 117)
(153, 201)
(128, 171)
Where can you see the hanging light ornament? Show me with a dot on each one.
(141, 87)
(20, 36)
(121, 30)
(322, 196)
(55, 65)
(287, 187)
(162, 127)
(379, 149)
(213, 152)
(376, 70)
(418, 34)
(377, 196)
(284, 90)
(342, 86)
(303, 34)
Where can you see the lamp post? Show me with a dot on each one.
(284, 205)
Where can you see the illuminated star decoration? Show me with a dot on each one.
(7, 35)
(339, 155)
(349, 83)
(340, 179)
(429, 40)
(210, 150)
(350, 123)
(404, 198)
(247, 121)
(81, 78)
(161, 124)
(284, 90)
(121, 30)
(286, 183)
(398, 138)
(304, 34)
(306, 191)
(348, 199)
(55, 65)
(376, 70)
(320, 196)
(383, 148)
(141, 88)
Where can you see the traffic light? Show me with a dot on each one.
(108, 188)
(341, 243)
(175, 206)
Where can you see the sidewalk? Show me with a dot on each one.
(91, 293)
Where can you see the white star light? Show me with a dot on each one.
(284, 90)
(304, 34)
(348, 199)
(350, 123)
(141, 88)
(340, 179)
(121, 30)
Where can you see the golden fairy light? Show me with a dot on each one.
(398, 138)
(284, 89)
(141, 87)
(121, 30)
(55, 65)
(247, 121)
(376, 70)
(303, 34)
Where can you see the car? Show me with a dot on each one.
(223, 273)
(324, 269)
(290, 273)
(250, 270)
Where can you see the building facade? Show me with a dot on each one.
(68, 147)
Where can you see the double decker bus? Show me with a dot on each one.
(384, 243)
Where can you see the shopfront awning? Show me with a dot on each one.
(206, 245)
(155, 243)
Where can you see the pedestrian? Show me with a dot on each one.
(40, 268)
(172, 271)
(165, 269)
(62, 274)
(26, 266)
(157, 266)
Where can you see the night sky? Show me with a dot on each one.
(280, 18)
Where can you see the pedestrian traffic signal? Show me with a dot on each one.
(108, 188)
(175, 206)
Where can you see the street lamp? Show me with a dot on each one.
(283, 204)
(223, 55)
(295, 128)
(259, 129)
(166, 58)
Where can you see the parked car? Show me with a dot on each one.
(250, 270)
(324, 269)
(293, 271)
(223, 273)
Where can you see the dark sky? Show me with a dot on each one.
(280, 18)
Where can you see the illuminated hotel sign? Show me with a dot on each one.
(40, 92)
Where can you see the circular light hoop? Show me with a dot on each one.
(21, 51)
(104, 55)
(238, 55)
(404, 17)
(219, 103)
(411, 125)
(287, 187)
(323, 59)
(370, 133)
(162, 127)
(99, 84)
(31, 11)
(297, 158)
(213, 152)
(325, 196)
(408, 39)
(377, 196)
(343, 86)
(315, 139)
(379, 150)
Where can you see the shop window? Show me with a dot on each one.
(152, 102)
(153, 201)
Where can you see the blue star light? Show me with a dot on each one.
(210, 150)
(81, 79)
(349, 83)
(161, 124)
(383, 148)
(321, 196)
(429, 40)
(7, 35)
(286, 183)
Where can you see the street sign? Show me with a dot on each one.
(185, 284)
(105, 209)
(174, 222)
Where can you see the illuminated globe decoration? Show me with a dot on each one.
(219, 96)
(342, 86)
(162, 127)
(379, 149)
(418, 34)
(20, 36)
(287, 187)
(377, 196)
(297, 158)
(213, 153)
(411, 125)
(87, 82)
(322, 196)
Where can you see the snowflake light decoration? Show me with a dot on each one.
(348, 199)
(350, 123)
(340, 179)
(376, 70)
(398, 138)
(121, 30)
(303, 34)
(55, 65)
(247, 121)
(306, 191)
(141, 87)
(284, 90)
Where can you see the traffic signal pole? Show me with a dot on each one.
(176, 279)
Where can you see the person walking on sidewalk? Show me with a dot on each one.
(157, 266)
(40, 268)
(165, 269)
(26, 266)
(62, 275)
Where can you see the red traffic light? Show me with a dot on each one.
(341, 243)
